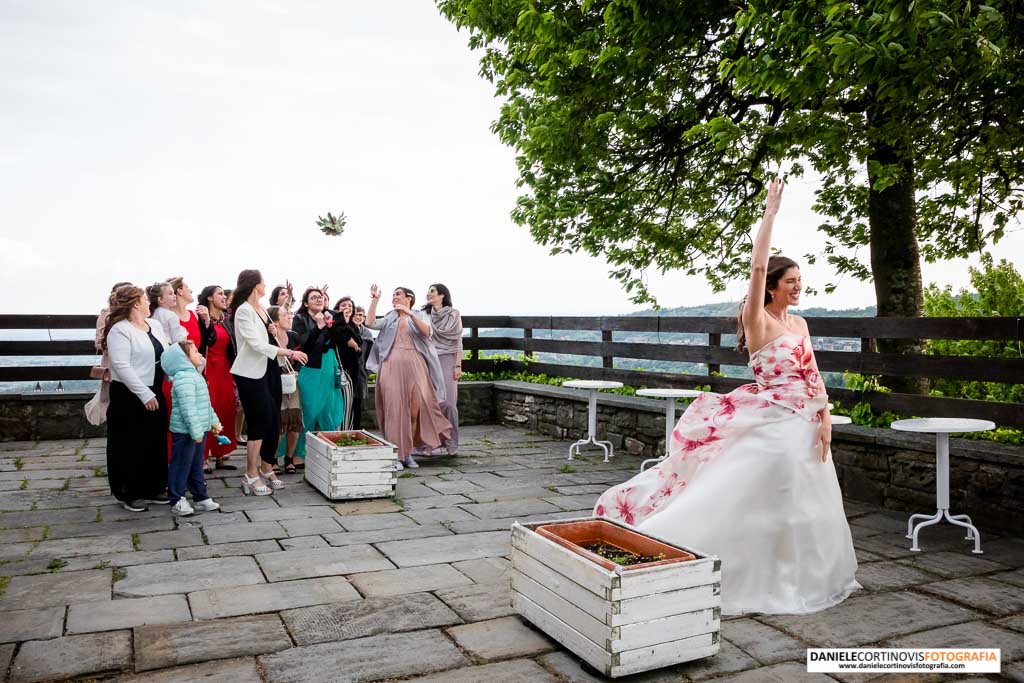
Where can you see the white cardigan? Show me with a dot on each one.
(252, 345)
(131, 356)
(171, 324)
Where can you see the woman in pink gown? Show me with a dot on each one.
(749, 477)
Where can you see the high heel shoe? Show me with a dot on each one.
(272, 480)
(254, 486)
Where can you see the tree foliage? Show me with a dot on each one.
(998, 291)
(645, 129)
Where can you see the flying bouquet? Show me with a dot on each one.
(332, 225)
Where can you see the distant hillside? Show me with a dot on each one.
(730, 309)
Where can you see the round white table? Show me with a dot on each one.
(670, 396)
(593, 386)
(839, 419)
(942, 427)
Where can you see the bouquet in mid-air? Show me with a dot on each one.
(332, 225)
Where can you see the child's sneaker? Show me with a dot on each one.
(207, 505)
(182, 508)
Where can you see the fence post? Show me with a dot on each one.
(607, 361)
(714, 339)
(527, 346)
(867, 345)
(474, 333)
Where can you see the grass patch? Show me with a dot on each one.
(406, 475)
(566, 468)
(399, 502)
(135, 541)
(46, 532)
(553, 489)
(24, 484)
(18, 464)
(99, 514)
(56, 565)
(81, 458)
(488, 442)
(98, 471)
(66, 486)
(35, 506)
(118, 574)
(105, 564)
(4, 580)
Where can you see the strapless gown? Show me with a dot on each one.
(744, 481)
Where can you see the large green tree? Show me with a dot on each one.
(645, 129)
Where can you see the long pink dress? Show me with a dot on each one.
(407, 410)
(744, 481)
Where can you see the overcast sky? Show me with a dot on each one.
(146, 139)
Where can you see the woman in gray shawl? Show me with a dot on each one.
(410, 386)
(446, 323)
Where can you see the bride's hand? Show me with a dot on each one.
(774, 198)
(824, 439)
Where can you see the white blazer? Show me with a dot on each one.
(132, 360)
(252, 345)
(171, 324)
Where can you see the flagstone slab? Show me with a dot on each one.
(376, 521)
(249, 531)
(440, 515)
(479, 602)
(72, 547)
(867, 619)
(981, 593)
(303, 542)
(209, 519)
(416, 552)
(501, 638)
(891, 575)
(974, 634)
(249, 504)
(367, 507)
(240, 670)
(52, 518)
(399, 533)
(180, 538)
(63, 588)
(511, 508)
(1015, 622)
(6, 655)
(766, 644)
(305, 564)
(431, 502)
(1015, 577)
(579, 503)
(454, 487)
(158, 647)
(205, 552)
(569, 669)
(266, 597)
(370, 617)
(409, 580)
(126, 613)
(486, 570)
(365, 659)
(505, 523)
(31, 624)
(276, 514)
(189, 575)
(118, 560)
(953, 564)
(72, 656)
(515, 671)
(310, 526)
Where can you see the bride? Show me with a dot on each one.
(749, 477)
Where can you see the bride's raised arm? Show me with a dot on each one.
(753, 310)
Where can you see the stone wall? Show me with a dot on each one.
(882, 466)
(44, 416)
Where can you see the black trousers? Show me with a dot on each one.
(261, 403)
(136, 445)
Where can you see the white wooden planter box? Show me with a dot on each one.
(346, 472)
(619, 621)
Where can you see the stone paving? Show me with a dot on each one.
(295, 588)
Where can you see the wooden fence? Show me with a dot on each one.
(712, 353)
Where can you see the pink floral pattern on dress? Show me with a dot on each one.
(786, 382)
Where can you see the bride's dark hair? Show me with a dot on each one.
(777, 267)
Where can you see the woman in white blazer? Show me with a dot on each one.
(137, 415)
(258, 378)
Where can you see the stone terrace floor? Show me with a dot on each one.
(295, 588)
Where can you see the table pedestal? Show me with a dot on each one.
(609, 449)
(942, 501)
(670, 424)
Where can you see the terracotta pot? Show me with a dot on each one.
(573, 535)
(331, 436)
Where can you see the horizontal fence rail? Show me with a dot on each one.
(604, 346)
(714, 355)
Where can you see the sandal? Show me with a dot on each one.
(207, 469)
(289, 466)
(222, 465)
(272, 480)
(299, 464)
(254, 486)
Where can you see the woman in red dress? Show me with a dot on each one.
(220, 353)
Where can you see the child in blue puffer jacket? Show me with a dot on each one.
(191, 417)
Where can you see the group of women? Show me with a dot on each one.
(289, 372)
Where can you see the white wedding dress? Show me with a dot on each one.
(744, 481)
